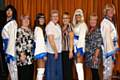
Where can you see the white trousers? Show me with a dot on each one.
(108, 68)
(12, 67)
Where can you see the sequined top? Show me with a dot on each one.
(24, 44)
(93, 41)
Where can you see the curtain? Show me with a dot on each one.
(32, 7)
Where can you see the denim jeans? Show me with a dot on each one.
(54, 67)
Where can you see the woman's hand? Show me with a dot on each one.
(95, 56)
(56, 55)
(22, 57)
(95, 60)
(70, 55)
(45, 58)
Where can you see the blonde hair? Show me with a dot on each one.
(108, 7)
(93, 15)
(25, 16)
(22, 17)
(54, 12)
(78, 11)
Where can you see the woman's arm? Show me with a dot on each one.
(95, 56)
(53, 45)
(71, 36)
(97, 52)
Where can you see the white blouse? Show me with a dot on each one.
(9, 38)
(55, 30)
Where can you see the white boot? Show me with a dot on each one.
(40, 73)
(80, 73)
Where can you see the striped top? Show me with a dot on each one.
(66, 38)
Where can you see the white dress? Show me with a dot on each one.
(40, 47)
(80, 31)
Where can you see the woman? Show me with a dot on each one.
(54, 48)
(93, 47)
(24, 46)
(3, 65)
(110, 38)
(40, 48)
(9, 39)
(67, 46)
(80, 30)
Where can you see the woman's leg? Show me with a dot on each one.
(12, 67)
(50, 67)
(54, 67)
(79, 67)
(67, 66)
(95, 74)
(59, 70)
(108, 67)
(40, 69)
(25, 72)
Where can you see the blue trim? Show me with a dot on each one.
(33, 49)
(113, 58)
(115, 41)
(10, 58)
(80, 51)
(40, 55)
(5, 42)
(110, 53)
(117, 49)
(76, 37)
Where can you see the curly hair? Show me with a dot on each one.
(14, 15)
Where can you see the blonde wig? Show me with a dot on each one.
(107, 8)
(78, 12)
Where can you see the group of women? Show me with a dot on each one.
(54, 47)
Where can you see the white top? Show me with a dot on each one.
(9, 32)
(55, 30)
(80, 30)
(40, 47)
(109, 35)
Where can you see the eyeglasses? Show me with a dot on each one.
(77, 15)
(66, 18)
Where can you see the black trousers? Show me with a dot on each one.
(67, 66)
(3, 67)
(25, 72)
(95, 74)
